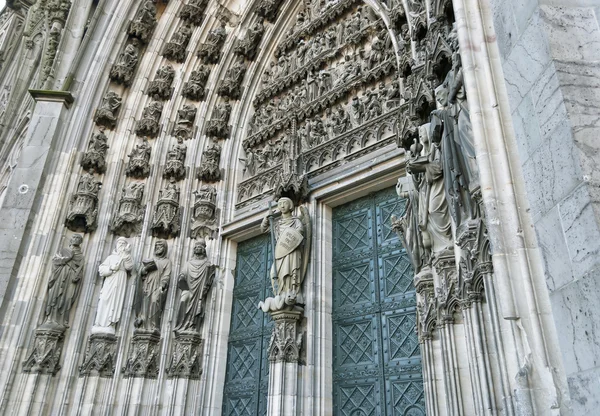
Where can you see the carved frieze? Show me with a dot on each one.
(210, 51)
(247, 47)
(193, 12)
(160, 88)
(218, 126)
(94, 160)
(83, 206)
(194, 88)
(138, 165)
(209, 170)
(175, 164)
(100, 356)
(123, 70)
(106, 114)
(166, 222)
(129, 215)
(175, 49)
(231, 86)
(184, 126)
(204, 221)
(144, 22)
(149, 125)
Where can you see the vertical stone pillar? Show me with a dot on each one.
(284, 353)
(27, 181)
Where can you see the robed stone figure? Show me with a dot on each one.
(194, 281)
(114, 270)
(292, 246)
(64, 284)
(155, 275)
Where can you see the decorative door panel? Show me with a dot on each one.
(246, 382)
(376, 355)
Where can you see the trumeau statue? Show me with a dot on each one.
(143, 24)
(139, 161)
(204, 221)
(64, 284)
(123, 70)
(195, 281)
(209, 170)
(210, 51)
(291, 236)
(175, 49)
(194, 88)
(95, 157)
(130, 212)
(106, 113)
(83, 206)
(184, 127)
(160, 87)
(155, 275)
(114, 270)
(149, 125)
(175, 165)
(166, 222)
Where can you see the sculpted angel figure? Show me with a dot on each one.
(292, 236)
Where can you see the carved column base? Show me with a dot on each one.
(144, 355)
(100, 356)
(186, 361)
(47, 347)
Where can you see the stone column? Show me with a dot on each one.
(16, 213)
(284, 353)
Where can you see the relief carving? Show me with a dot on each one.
(166, 222)
(218, 126)
(268, 9)
(106, 115)
(83, 205)
(144, 22)
(175, 164)
(94, 160)
(175, 49)
(130, 212)
(123, 70)
(194, 88)
(247, 47)
(232, 83)
(210, 51)
(193, 12)
(184, 127)
(204, 221)
(160, 87)
(209, 170)
(149, 125)
(139, 161)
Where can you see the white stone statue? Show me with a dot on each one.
(114, 270)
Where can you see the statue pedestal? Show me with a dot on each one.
(100, 356)
(144, 355)
(284, 354)
(186, 361)
(47, 347)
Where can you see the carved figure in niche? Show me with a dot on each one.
(123, 70)
(210, 51)
(203, 217)
(106, 113)
(268, 9)
(175, 165)
(357, 109)
(232, 83)
(267, 159)
(311, 86)
(247, 47)
(250, 162)
(324, 82)
(209, 168)
(392, 95)
(377, 52)
(130, 213)
(195, 282)
(193, 12)
(291, 254)
(139, 161)
(341, 121)
(167, 222)
(267, 75)
(155, 275)
(160, 88)
(218, 124)
(301, 55)
(64, 284)
(148, 125)
(83, 206)
(175, 49)
(184, 126)
(114, 270)
(372, 105)
(194, 88)
(348, 70)
(95, 157)
(143, 23)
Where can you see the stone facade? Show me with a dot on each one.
(163, 132)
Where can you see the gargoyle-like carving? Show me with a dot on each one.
(123, 70)
(175, 165)
(149, 125)
(194, 88)
(210, 51)
(204, 215)
(218, 126)
(184, 127)
(268, 9)
(83, 206)
(166, 222)
(139, 161)
(232, 83)
(160, 87)
(193, 12)
(94, 160)
(247, 46)
(144, 22)
(106, 115)
(175, 49)
(130, 212)
(209, 167)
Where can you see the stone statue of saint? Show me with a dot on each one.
(195, 281)
(155, 275)
(114, 270)
(292, 246)
(64, 283)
